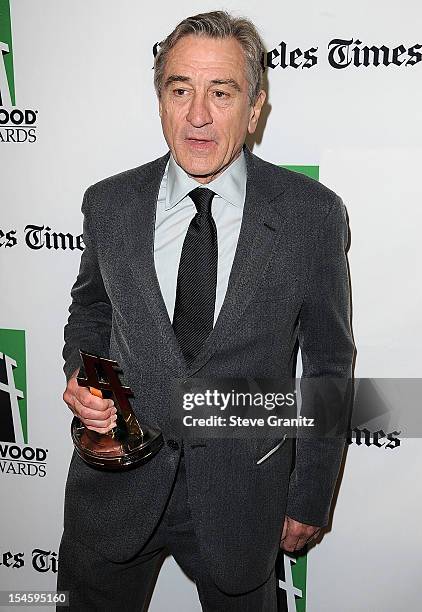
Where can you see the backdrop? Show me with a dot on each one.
(77, 104)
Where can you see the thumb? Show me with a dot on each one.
(283, 535)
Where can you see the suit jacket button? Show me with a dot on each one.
(173, 444)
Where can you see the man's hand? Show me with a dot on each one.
(95, 413)
(295, 535)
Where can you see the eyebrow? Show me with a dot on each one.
(230, 82)
(179, 78)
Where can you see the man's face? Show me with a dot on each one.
(204, 106)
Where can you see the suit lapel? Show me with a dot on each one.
(260, 230)
(140, 225)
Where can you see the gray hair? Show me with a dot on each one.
(218, 24)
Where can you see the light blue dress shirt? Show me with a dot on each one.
(175, 210)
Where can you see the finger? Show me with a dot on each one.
(99, 423)
(91, 397)
(301, 542)
(102, 430)
(289, 544)
(92, 401)
(314, 536)
(84, 412)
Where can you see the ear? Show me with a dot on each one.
(256, 111)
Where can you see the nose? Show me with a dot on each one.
(199, 113)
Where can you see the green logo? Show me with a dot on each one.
(291, 582)
(311, 171)
(16, 124)
(13, 409)
(7, 78)
(291, 571)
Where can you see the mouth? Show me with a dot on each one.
(200, 143)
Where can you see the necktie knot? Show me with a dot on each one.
(202, 198)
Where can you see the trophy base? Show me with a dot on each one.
(115, 450)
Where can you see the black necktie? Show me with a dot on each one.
(193, 317)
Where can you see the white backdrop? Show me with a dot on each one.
(86, 67)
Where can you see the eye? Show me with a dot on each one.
(179, 91)
(221, 94)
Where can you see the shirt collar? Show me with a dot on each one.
(230, 185)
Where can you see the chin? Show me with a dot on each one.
(196, 161)
(196, 167)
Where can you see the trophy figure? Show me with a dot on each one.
(128, 444)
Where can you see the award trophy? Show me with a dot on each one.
(128, 444)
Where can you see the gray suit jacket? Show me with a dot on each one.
(289, 284)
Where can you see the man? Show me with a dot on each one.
(205, 262)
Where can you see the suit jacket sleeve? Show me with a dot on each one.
(89, 323)
(327, 349)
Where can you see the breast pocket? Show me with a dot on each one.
(273, 294)
(278, 282)
(270, 447)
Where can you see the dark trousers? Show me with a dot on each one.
(97, 584)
